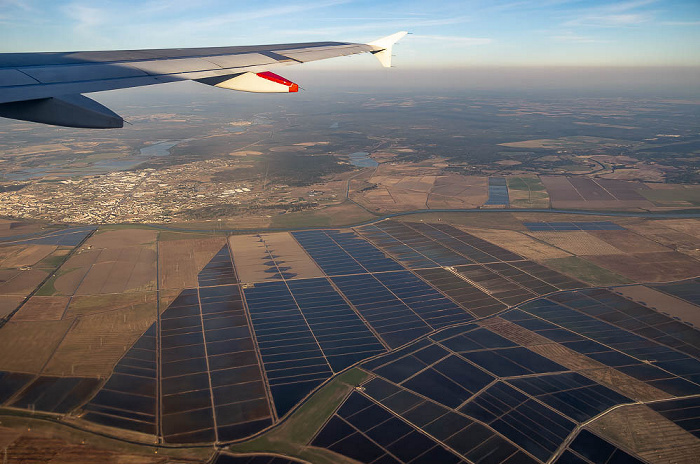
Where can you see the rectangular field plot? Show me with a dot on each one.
(219, 271)
(547, 275)
(237, 387)
(564, 226)
(343, 253)
(367, 432)
(573, 394)
(432, 306)
(689, 290)
(468, 245)
(498, 192)
(528, 423)
(264, 257)
(393, 319)
(253, 261)
(11, 383)
(639, 319)
(293, 360)
(128, 399)
(683, 412)
(471, 439)
(515, 282)
(56, 394)
(211, 383)
(655, 364)
(402, 252)
(344, 338)
(497, 284)
(68, 237)
(412, 247)
(468, 296)
(590, 448)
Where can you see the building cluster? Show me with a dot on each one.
(147, 195)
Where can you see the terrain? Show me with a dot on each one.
(438, 278)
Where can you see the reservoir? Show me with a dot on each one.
(361, 159)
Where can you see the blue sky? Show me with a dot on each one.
(445, 33)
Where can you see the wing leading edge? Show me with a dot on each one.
(48, 87)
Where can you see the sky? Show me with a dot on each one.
(445, 34)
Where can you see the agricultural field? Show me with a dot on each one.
(407, 327)
(527, 192)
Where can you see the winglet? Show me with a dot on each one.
(383, 47)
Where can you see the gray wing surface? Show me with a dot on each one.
(47, 87)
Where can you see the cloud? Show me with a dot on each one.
(623, 14)
(394, 24)
(25, 5)
(86, 17)
(263, 13)
(680, 23)
(469, 41)
(570, 37)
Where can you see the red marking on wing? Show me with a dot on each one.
(275, 78)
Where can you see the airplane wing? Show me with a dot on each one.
(48, 87)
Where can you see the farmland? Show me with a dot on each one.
(201, 337)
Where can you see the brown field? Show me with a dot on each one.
(344, 214)
(404, 188)
(673, 195)
(399, 187)
(455, 191)
(662, 302)
(562, 217)
(42, 308)
(114, 261)
(122, 238)
(96, 342)
(520, 243)
(119, 270)
(628, 242)
(669, 236)
(9, 304)
(577, 242)
(568, 143)
(71, 274)
(20, 283)
(526, 199)
(24, 255)
(647, 433)
(26, 346)
(33, 440)
(514, 332)
(181, 260)
(597, 371)
(586, 193)
(687, 226)
(9, 228)
(95, 304)
(253, 262)
(611, 378)
(650, 267)
(483, 220)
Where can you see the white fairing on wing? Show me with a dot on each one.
(252, 82)
(383, 47)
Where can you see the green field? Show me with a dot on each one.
(586, 271)
(680, 195)
(291, 437)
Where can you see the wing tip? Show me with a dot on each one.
(383, 47)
